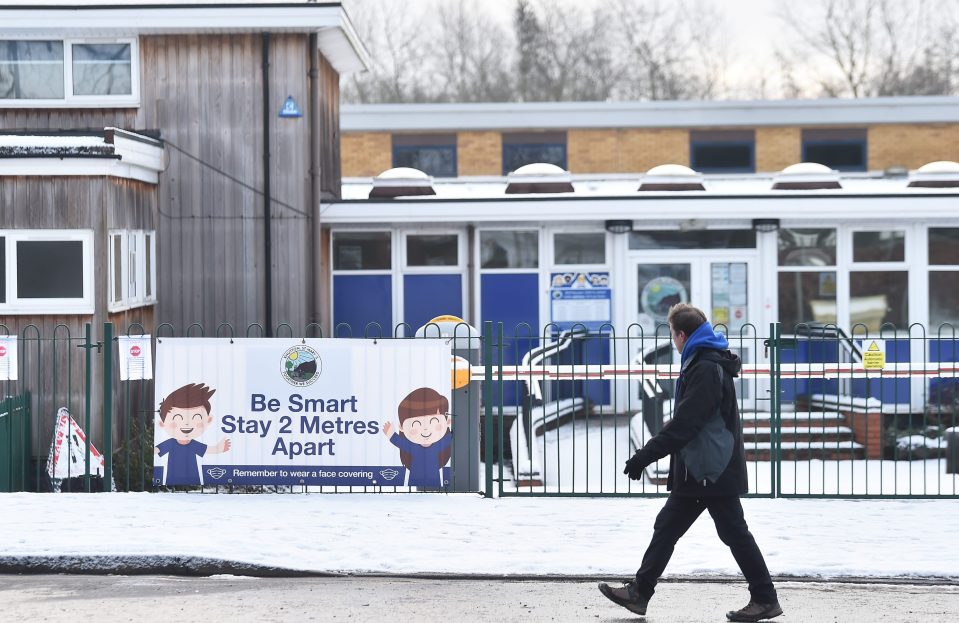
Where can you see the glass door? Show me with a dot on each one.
(716, 282)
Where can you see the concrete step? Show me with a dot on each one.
(801, 434)
(760, 419)
(804, 451)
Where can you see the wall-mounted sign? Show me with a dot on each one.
(136, 357)
(290, 109)
(8, 358)
(580, 299)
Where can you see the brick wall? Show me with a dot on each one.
(479, 153)
(366, 154)
(867, 430)
(626, 151)
(911, 146)
(777, 148)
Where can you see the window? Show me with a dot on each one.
(807, 293)
(843, 150)
(509, 249)
(68, 72)
(694, 239)
(362, 250)
(432, 250)
(587, 248)
(434, 154)
(46, 272)
(943, 279)
(723, 151)
(522, 148)
(879, 281)
(132, 269)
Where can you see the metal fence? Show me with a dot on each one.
(561, 409)
(822, 415)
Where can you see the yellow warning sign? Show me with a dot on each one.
(874, 357)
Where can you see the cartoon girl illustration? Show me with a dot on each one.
(424, 436)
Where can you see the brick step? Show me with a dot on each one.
(802, 418)
(800, 451)
(802, 434)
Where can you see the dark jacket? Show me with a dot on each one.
(705, 385)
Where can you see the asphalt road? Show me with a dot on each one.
(233, 598)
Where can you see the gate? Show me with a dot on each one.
(824, 413)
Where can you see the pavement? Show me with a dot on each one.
(70, 598)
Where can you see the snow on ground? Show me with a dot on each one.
(467, 534)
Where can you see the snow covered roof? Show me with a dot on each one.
(113, 152)
(625, 185)
(337, 37)
(728, 198)
(660, 114)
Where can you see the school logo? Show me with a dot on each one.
(300, 366)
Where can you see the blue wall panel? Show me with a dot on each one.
(512, 299)
(427, 296)
(359, 300)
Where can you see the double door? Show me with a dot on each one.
(723, 284)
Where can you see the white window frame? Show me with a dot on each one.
(70, 100)
(133, 277)
(25, 306)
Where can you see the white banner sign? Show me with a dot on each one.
(8, 358)
(294, 411)
(136, 357)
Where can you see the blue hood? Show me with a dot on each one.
(703, 337)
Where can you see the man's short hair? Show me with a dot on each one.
(686, 318)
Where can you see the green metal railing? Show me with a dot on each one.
(15, 443)
(815, 421)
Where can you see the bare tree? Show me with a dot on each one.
(473, 55)
(669, 50)
(394, 33)
(563, 52)
(863, 48)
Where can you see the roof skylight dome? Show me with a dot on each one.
(401, 182)
(806, 176)
(939, 174)
(671, 177)
(539, 177)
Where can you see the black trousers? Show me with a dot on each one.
(675, 519)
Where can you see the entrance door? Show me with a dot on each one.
(721, 283)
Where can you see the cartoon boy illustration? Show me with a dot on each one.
(184, 415)
(424, 437)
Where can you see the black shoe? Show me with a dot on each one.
(627, 596)
(755, 611)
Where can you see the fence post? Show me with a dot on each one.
(775, 408)
(107, 405)
(488, 404)
(87, 346)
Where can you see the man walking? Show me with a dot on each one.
(707, 468)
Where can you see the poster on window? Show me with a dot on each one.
(277, 411)
(580, 299)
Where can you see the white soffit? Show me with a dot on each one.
(337, 38)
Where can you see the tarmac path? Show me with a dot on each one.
(355, 598)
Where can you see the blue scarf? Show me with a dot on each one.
(703, 337)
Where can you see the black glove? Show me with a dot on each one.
(634, 467)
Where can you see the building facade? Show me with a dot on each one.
(451, 140)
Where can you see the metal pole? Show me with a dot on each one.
(267, 199)
(488, 403)
(87, 346)
(775, 454)
(107, 405)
